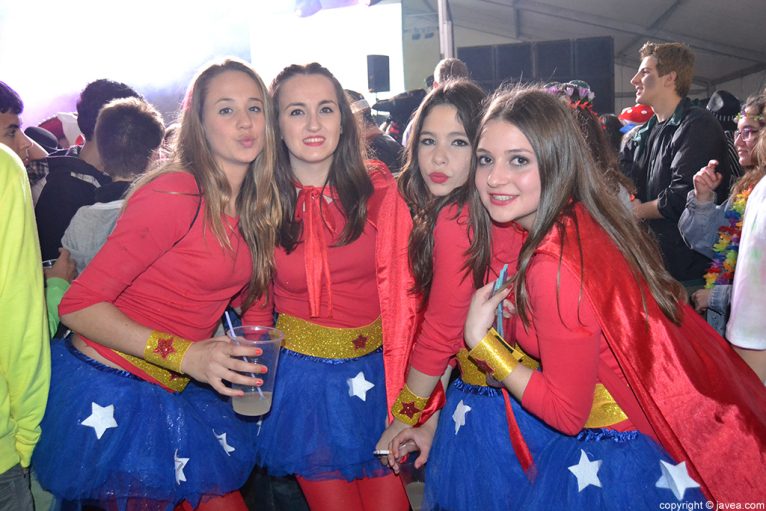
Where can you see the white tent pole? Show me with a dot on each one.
(446, 44)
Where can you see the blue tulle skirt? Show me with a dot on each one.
(316, 428)
(628, 473)
(474, 466)
(110, 436)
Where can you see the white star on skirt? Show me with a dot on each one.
(458, 416)
(100, 419)
(180, 465)
(224, 444)
(675, 478)
(358, 386)
(586, 472)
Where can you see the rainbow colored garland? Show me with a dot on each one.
(721, 272)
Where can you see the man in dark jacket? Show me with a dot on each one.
(70, 181)
(664, 155)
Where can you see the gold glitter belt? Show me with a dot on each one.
(472, 375)
(605, 410)
(308, 338)
(170, 379)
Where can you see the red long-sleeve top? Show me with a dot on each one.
(160, 272)
(565, 336)
(352, 272)
(441, 335)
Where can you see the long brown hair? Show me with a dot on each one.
(348, 174)
(467, 98)
(567, 175)
(257, 203)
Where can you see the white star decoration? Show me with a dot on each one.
(100, 419)
(358, 386)
(180, 464)
(586, 472)
(458, 416)
(224, 444)
(675, 478)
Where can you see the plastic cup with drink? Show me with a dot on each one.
(257, 399)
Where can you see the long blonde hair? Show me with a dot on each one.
(257, 204)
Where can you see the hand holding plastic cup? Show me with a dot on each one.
(257, 400)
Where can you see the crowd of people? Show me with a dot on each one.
(510, 299)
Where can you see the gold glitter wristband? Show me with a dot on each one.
(166, 350)
(494, 356)
(408, 406)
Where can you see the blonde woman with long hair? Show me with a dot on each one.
(138, 416)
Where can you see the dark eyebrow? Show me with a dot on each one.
(219, 100)
(450, 134)
(519, 150)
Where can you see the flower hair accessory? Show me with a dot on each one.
(759, 118)
(577, 93)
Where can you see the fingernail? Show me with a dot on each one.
(258, 383)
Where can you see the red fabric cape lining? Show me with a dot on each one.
(705, 404)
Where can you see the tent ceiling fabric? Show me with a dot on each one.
(728, 38)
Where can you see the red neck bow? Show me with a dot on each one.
(308, 209)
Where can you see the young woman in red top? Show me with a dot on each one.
(340, 288)
(434, 185)
(137, 416)
(627, 368)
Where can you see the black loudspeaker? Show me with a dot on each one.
(594, 56)
(594, 61)
(554, 60)
(590, 59)
(378, 79)
(513, 62)
(479, 61)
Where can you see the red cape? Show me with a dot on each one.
(398, 304)
(705, 404)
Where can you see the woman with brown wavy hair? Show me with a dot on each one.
(434, 185)
(616, 341)
(136, 417)
(341, 292)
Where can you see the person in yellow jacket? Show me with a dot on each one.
(24, 351)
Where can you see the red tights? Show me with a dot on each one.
(374, 494)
